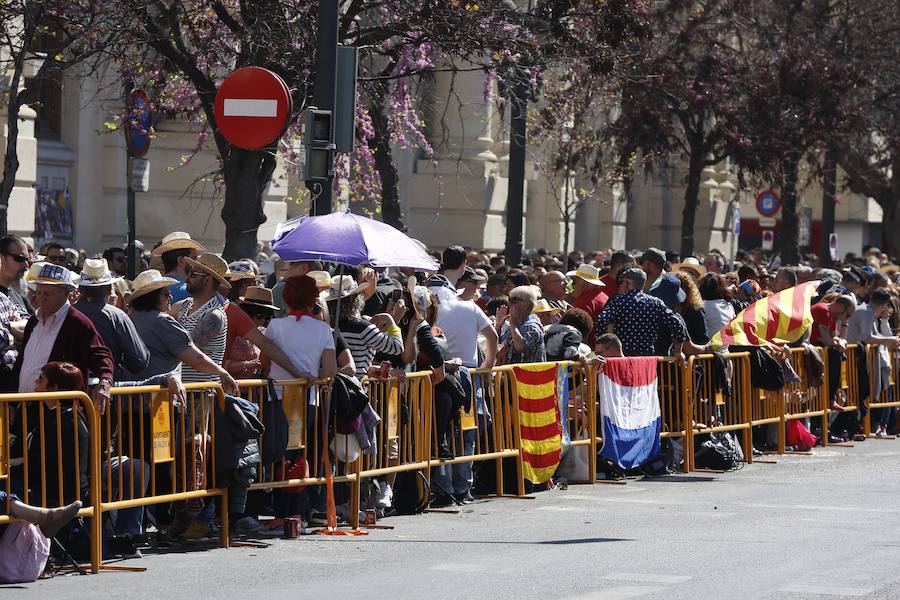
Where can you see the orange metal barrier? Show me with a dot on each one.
(147, 436)
(493, 418)
(403, 436)
(581, 416)
(305, 406)
(42, 415)
(882, 394)
(712, 406)
(674, 396)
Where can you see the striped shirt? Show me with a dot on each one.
(364, 340)
(215, 347)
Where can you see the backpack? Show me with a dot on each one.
(719, 453)
(411, 493)
(274, 442)
(24, 550)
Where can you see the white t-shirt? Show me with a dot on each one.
(302, 341)
(461, 321)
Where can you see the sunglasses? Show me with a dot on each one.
(59, 258)
(18, 258)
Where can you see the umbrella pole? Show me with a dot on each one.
(331, 512)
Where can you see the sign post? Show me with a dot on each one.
(832, 246)
(768, 239)
(137, 141)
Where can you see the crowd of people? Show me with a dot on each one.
(70, 322)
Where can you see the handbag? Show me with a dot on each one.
(24, 550)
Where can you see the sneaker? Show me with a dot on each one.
(464, 498)
(124, 546)
(246, 525)
(196, 531)
(441, 501)
(385, 495)
(881, 432)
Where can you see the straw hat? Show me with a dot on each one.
(51, 274)
(211, 264)
(96, 273)
(260, 296)
(691, 268)
(341, 287)
(889, 269)
(589, 273)
(156, 262)
(242, 269)
(542, 306)
(33, 270)
(323, 279)
(149, 281)
(177, 240)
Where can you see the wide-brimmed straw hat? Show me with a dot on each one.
(341, 287)
(542, 306)
(589, 273)
(260, 296)
(242, 269)
(177, 240)
(96, 273)
(149, 281)
(210, 264)
(697, 270)
(322, 279)
(51, 274)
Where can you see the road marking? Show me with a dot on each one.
(827, 590)
(619, 593)
(468, 568)
(244, 107)
(648, 578)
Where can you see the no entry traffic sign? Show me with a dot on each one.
(253, 107)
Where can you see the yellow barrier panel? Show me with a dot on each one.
(581, 415)
(674, 398)
(881, 392)
(710, 405)
(306, 412)
(154, 451)
(41, 415)
(403, 436)
(489, 430)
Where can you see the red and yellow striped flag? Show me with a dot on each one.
(777, 319)
(539, 419)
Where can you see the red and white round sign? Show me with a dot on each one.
(253, 107)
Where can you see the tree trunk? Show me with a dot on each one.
(790, 221)
(380, 145)
(691, 200)
(247, 175)
(11, 158)
(890, 210)
(567, 209)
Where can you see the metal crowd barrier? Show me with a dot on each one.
(882, 394)
(402, 436)
(305, 407)
(488, 430)
(155, 450)
(674, 394)
(719, 401)
(41, 416)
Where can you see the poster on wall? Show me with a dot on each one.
(53, 216)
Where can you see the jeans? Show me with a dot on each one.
(128, 520)
(456, 478)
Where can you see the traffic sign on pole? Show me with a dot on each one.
(137, 136)
(768, 239)
(768, 203)
(832, 246)
(253, 108)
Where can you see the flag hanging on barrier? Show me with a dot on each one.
(540, 424)
(629, 405)
(777, 319)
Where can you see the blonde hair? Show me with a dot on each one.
(693, 298)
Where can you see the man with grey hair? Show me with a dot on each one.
(638, 318)
(521, 332)
(714, 262)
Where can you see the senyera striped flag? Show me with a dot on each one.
(542, 395)
(777, 319)
(629, 406)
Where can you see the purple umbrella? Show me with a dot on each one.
(349, 239)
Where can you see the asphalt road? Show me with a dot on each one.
(820, 526)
